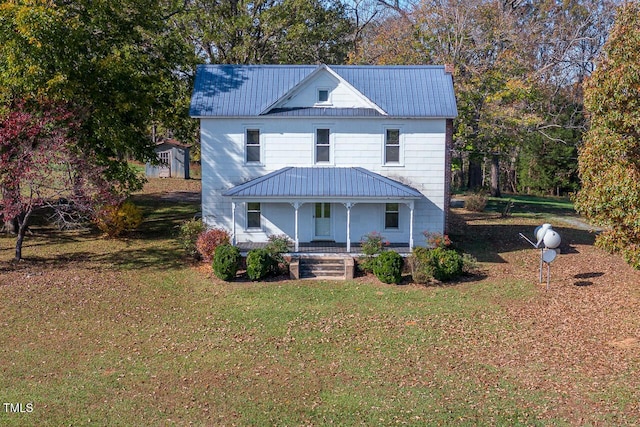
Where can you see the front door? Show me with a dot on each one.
(165, 165)
(322, 216)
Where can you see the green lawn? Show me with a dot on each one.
(128, 332)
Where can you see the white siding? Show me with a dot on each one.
(355, 142)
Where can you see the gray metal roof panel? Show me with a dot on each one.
(247, 90)
(323, 182)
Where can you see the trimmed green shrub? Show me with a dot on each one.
(448, 263)
(439, 263)
(188, 233)
(259, 264)
(388, 267)
(226, 261)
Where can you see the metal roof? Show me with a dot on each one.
(321, 182)
(247, 90)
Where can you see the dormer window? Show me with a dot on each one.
(323, 96)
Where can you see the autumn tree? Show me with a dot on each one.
(118, 62)
(41, 167)
(609, 161)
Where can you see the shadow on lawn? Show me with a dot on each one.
(486, 236)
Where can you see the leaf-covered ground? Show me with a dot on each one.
(128, 332)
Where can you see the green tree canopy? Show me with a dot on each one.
(115, 61)
(267, 31)
(609, 159)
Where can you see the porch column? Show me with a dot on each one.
(296, 242)
(348, 205)
(233, 223)
(411, 207)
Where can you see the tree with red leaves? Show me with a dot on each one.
(42, 167)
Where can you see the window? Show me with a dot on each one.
(253, 146)
(322, 145)
(323, 95)
(253, 215)
(391, 214)
(392, 146)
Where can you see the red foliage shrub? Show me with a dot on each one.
(209, 240)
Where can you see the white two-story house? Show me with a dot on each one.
(325, 153)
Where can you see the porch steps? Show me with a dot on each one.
(322, 267)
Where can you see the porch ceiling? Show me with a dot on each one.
(323, 183)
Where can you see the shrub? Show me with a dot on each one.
(209, 240)
(188, 233)
(226, 261)
(259, 264)
(439, 263)
(423, 269)
(371, 245)
(278, 245)
(476, 202)
(448, 263)
(116, 220)
(388, 267)
(436, 240)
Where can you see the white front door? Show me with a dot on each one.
(322, 216)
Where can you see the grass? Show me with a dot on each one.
(532, 206)
(128, 332)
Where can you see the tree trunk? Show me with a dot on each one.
(495, 175)
(23, 223)
(475, 172)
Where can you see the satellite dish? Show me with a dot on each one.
(540, 231)
(551, 239)
(548, 255)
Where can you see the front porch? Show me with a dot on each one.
(325, 248)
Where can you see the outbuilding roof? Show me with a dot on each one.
(249, 90)
(323, 182)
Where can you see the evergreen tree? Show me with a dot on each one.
(609, 161)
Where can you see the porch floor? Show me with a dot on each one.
(318, 248)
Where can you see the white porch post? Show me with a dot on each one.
(411, 207)
(296, 206)
(348, 205)
(233, 224)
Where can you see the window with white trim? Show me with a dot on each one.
(323, 96)
(391, 216)
(323, 146)
(254, 215)
(392, 146)
(252, 145)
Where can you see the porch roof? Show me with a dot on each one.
(323, 183)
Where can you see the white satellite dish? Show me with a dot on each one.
(540, 232)
(551, 239)
(548, 255)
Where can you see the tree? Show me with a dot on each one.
(40, 167)
(267, 31)
(609, 159)
(117, 62)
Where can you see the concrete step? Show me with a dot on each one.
(322, 267)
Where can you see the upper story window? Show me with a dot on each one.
(323, 146)
(392, 146)
(323, 96)
(252, 145)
